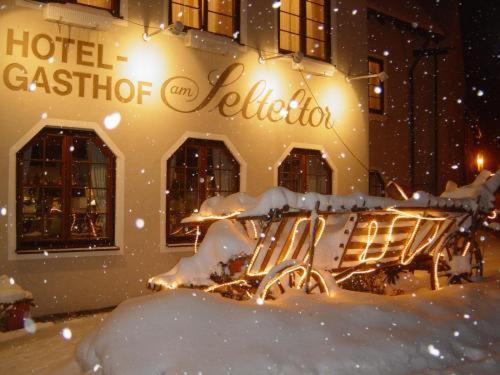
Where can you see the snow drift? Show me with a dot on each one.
(186, 331)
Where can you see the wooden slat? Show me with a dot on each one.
(388, 254)
(383, 230)
(362, 245)
(288, 242)
(272, 245)
(300, 243)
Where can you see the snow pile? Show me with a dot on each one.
(484, 187)
(11, 292)
(222, 206)
(224, 240)
(186, 331)
(480, 194)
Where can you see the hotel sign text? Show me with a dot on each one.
(179, 93)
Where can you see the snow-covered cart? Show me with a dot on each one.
(313, 242)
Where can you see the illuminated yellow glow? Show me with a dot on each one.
(480, 162)
(196, 239)
(255, 234)
(466, 248)
(355, 273)
(493, 215)
(162, 283)
(420, 249)
(214, 287)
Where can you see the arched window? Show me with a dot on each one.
(65, 191)
(199, 169)
(304, 171)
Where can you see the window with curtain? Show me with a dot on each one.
(112, 5)
(304, 26)
(65, 192)
(305, 171)
(216, 16)
(198, 170)
(375, 86)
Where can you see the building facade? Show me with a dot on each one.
(118, 118)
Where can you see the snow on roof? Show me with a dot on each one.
(11, 292)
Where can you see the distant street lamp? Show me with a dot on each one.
(479, 162)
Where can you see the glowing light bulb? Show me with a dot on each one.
(112, 120)
(146, 37)
(276, 4)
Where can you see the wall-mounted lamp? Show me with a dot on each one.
(297, 57)
(176, 29)
(382, 76)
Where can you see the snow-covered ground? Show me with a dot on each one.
(455, 330)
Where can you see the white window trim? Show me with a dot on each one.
(308, 146)
(119, 193)
(163, 182)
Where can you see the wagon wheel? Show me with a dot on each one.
(459, 259)
(279, 281)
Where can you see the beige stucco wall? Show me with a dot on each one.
(149, 130)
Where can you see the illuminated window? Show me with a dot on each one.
(216, 16)
(198, 170)
(375, 86)
(65, 191)
(305, 171)
(112, 5)
(304, 25)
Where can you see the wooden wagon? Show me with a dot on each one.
(316, 249)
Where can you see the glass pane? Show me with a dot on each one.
(221, 6)
(87, 225)
(32, 172)
(31, 226)
(315, 11)
(289, 23)
(290, 6)
(35, 151)
(311, 184)
(53, 148)
(98, 200)
(289, 42)
(81, 149)
(31, 202)
(52, 174)
(80, 174)
(98, 175)
(192, 157)
(53, 226)
(96, 155)
(52, 201)
(104, 4)
(315, 30)
(220, 24)
(192, 180)
(80, 200)
(315, 48)
(188, 15)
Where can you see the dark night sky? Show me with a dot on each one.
(481, 40)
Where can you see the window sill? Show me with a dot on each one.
(65, 253)
(210, 42)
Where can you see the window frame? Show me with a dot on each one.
(65, 243)
(304, 153)
(303, 31)
(114, 11)
(203, 145)
(380, 62)
(203, 18)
